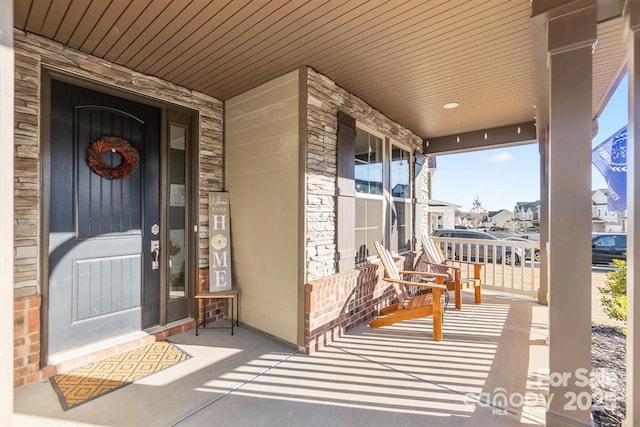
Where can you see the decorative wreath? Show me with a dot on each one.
(130, 157)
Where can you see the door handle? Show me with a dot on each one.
(155, 254)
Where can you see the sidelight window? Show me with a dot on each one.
(177, 217)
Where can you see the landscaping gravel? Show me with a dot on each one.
(609, 371)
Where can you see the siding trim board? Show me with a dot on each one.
(302, 207)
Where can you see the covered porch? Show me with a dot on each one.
(491, 369)
(274, 87)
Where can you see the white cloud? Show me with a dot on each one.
(501, 157)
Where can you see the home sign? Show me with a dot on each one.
(219, 243)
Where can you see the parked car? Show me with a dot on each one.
(605, 247)
(532, 229)
(463, 226)
(466, 253)
(527, 251)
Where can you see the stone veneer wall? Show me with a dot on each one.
(336, 302)
(324, 100)
(31, 54)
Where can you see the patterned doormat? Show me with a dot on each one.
(99, 378)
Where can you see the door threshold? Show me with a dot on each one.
(80, 356)
(177, 327)
(180, 323)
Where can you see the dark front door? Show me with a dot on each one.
(101, 280)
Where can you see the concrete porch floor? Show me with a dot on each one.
(370, 377)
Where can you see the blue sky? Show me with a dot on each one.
(504, 176)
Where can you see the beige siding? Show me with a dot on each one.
(262, 169)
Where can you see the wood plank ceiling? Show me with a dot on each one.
(407, 58)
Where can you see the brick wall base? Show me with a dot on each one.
(336, 303)
(26, 340)
(214, 309)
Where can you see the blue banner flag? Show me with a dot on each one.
(610, 158)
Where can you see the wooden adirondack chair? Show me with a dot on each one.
(438, 263)
(408, 306)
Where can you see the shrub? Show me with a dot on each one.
(614, 292)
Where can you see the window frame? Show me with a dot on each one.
(370, 196)
(408, 201)
(387, 197)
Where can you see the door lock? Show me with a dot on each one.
(155, 254)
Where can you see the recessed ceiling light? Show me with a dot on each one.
(451, 105)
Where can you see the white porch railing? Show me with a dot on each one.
(508, 266)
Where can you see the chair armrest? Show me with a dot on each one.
(441, 265)
(426, 273)
(467, 262)
(423, 285)
(477, 267)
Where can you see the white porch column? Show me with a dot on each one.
(571, 34)
(633, 215)
(6, 211)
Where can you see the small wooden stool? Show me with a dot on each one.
(233, 295)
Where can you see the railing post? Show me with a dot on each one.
(543, 291)
(495, 274)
